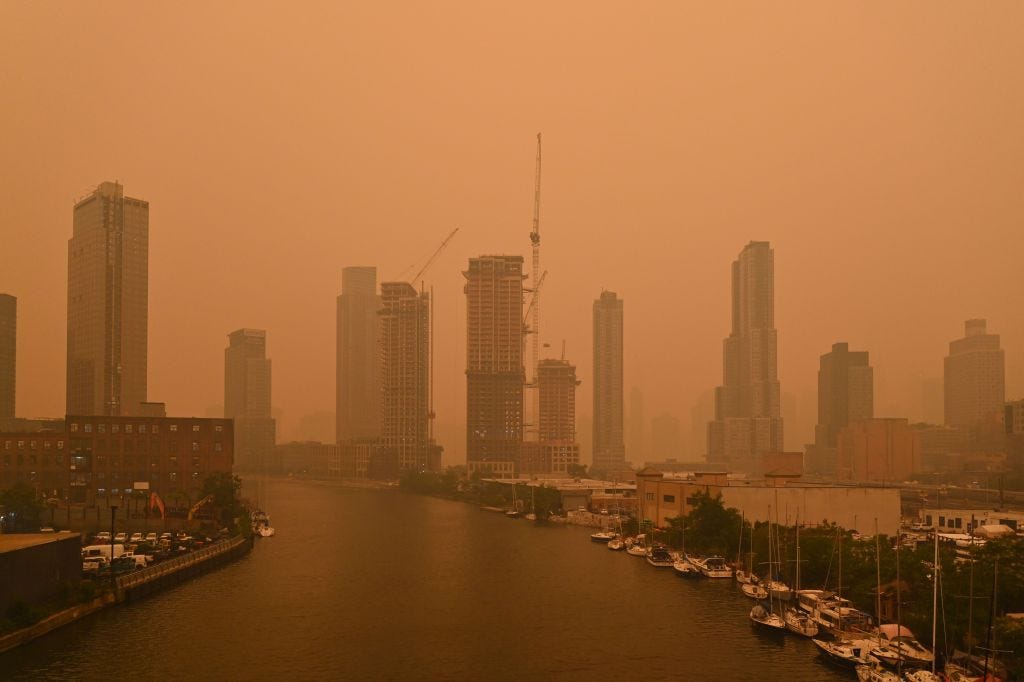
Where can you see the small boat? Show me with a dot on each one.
(742, 577)
(845, 652)
(922, 676)
(799, 622)
(637, 550)
(899, 644)
(530, 517)
(616, 545)
(512, 514)
(266, 531)
(779, 590)
(659, 558)
(771, 622)
(603, 536)
(754, 591)
(875, 673)
(714, 567)
(684, 569)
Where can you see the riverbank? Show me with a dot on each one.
(133, 586)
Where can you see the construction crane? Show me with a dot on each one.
(531, 306)
(537, 280)
(433, 257)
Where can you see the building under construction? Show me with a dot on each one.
(406, 410)
(495, 374)
(556, 449)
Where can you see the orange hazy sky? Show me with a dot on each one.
(878, 146)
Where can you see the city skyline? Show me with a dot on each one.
(654, 214)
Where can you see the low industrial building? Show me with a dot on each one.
(785, 498)
(968, 520)
(34, 566)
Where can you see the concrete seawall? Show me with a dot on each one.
(135, 586)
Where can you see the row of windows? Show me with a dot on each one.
(137, 428)
(33, 444)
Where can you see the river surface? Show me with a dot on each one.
(382, 585)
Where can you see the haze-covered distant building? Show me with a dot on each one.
(845, 394)
(108, 304)
(608, 441)
(748, 411)
(878, 450)
(247, 398)
(495, 375)
(358, 402)
(635, 425)
(405, 377)
(1014, 418)
(666, 437)
(8, 355)
(974, 378)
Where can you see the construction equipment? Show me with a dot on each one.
(430, 260)
(538, 278)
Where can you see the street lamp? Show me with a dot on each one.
(113, 512)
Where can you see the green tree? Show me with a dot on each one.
(710, 527)
(225, 489)
(577, 470)
(22, 508)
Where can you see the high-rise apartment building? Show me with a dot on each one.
(359, 364)
(845, 394)
(975, 386)
(108, 304)
(495, 375)
(748, 416)
(8, 355)
(405, 378)
(247, 397)
(609, 444)
(556, 384)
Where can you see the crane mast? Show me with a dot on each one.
(535, 303)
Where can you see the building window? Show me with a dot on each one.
(101, 428)
(142, 428)
(195, 428)
(115, 428)
(60, 445)
(174, 427)
(218, 428)
(942, 520)
(217, 447)
(156, 429)
(668, 498)
(195, 446)
(74, 428)
(31, 445)
(649, 497)
(127, 428)
(47, 445)
(7, 445)
(21, 445)
(928, 520)
(88, 428)
(959, 523)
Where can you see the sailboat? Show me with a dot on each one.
(742, 577)
(759, 615)
(930, 675)
(532, 516)
(845, 651)
(513, 512)
(682, 565)
(796, 619)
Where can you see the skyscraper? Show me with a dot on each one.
(556, 383)
(247, 397)
(609, 445)
(8, 355)
(635, 425)
(748, 416)
(358, 370)
(845, 394)
(975, 385)
(405, 347)
(494, 363)
(108, 304)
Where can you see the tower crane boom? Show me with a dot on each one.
(433, 257)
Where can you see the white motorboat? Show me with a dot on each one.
(714, 567)
(799, 622)
(616, 545)
(637, 550)
(899, 643)
(603, 536)
(266, 531)
(922, 676)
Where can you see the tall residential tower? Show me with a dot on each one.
(609, 445)
(748, 411)
(358, 370)
(108, 304)
(8, 355)
(975, 384)
(405, 379)
(495, 374)
(845, 394)
(247, 397)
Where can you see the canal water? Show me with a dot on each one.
(383, 585)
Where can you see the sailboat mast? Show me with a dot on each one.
(935, 598)
(878, 583)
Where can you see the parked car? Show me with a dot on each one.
(121, 537)
(93, 564)
(136, 537)
(102, 536)
(151, 537)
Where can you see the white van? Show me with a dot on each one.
(102, 550)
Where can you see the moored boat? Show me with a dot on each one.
(714, 567)
(845, 652)
(754, 591)
(770, 622)
(603, 536)
(616, 544)
(799, 622)
(684, 569)
(875, 673)
(659, 557)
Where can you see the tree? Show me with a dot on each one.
(577, 470)
(710, 527)
(21, 508)
(225, 489)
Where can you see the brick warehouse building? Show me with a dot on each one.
(98, 458)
